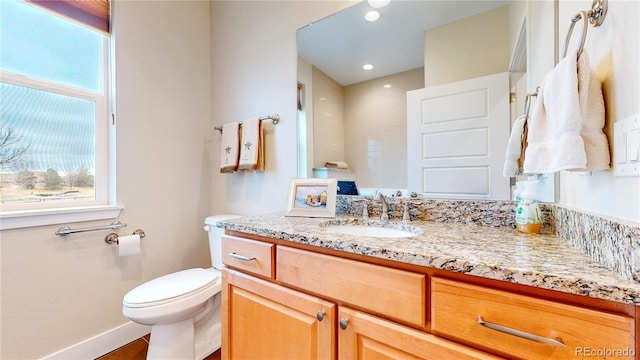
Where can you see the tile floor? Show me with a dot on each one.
(137, 350)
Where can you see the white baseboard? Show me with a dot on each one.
(101, 344)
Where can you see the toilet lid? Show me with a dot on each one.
(171, 286)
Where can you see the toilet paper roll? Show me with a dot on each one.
(128, 245)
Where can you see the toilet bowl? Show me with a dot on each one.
(182, 308)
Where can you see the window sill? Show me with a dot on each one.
(31, 218)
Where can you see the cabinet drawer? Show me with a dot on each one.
(523, 327)
(394, 293)
(253, 256)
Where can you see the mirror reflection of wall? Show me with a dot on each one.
(468, 48)
(364, 124)
(377, 132)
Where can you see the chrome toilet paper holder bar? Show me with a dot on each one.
(113, 237)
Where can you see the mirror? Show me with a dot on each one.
(356, 118)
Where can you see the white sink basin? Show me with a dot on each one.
(368, 230)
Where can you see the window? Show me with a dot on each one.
(54, 111)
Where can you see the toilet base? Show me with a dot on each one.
(193, 338)
(172, 341)
(208, 330)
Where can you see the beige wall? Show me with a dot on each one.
(328, 119)
(57, 292)
(376, 129)
(614, 54)
(364, 125)
(254, 73)
(305, 119)
(517, 16)
(448, 48)
(541, 41)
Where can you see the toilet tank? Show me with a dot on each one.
(215, 237)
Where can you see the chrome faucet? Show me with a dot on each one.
(385, 207)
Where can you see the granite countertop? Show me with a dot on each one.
(544, 261)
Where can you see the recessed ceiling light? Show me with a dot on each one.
(379, 3)
(372, 15)
(387, 86)
(367, 66)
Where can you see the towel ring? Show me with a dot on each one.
(582, 15)
(595, 16)
(527, 102)
(598, 11)
(527, 105)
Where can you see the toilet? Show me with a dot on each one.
(182, 308)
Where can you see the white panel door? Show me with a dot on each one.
(457, 135)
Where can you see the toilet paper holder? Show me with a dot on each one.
(113, 237)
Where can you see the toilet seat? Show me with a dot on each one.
(172, 287)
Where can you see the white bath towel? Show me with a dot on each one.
(514, 148)
(230, 143)
(596, 144)
(252, 146)
(554, 141)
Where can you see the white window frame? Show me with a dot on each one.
(103, 206)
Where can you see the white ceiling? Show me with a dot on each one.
(340, 44)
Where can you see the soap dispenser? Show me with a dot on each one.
(528, 216)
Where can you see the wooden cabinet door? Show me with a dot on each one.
(261, 320)
(367, 337)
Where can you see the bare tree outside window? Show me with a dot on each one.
(11, 147)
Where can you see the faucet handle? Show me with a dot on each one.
(406, 216)
(405, 213)
(365, 211)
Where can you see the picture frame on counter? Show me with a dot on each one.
(312, 198)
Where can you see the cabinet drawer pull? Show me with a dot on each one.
(520, 333)
(343, 324)
(241, 257)
(320, 315)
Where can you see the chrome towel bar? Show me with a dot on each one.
(275, 118)
(65, 230)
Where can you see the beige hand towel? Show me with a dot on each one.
(515, 148)
(596, 144)
(230, 143)
(252, 146)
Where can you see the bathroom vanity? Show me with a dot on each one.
(292, 289)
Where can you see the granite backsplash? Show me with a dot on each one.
(613, 244)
